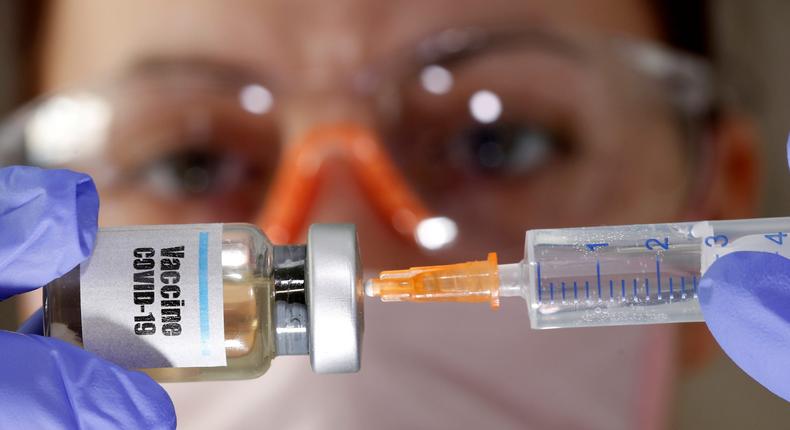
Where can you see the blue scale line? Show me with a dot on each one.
(540, 288)
(563, 291)
(551, 291)
(671, 288)
(647, 289)
(658, 275)
(575, 291)
(611, 289)
(694, 280)
(587, 289)
(683, 285)
(598, 277)
(622, 287)
(635, 288)
(205, 334)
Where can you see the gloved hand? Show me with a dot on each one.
(47, 226)
(745, 298)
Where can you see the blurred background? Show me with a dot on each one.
(749, 37)
(749, 40)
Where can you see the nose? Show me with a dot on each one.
(341, 199)
(337, 165)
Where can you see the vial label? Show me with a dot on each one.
(151, 296)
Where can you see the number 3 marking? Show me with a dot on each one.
(720, 240)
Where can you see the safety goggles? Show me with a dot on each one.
(460, 142)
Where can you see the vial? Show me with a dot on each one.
(213, 301)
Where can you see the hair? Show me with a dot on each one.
(27, 29)
(686, 24)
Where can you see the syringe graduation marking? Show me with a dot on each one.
(598, 277)
(694, 280)
(540, 289)
(658, 276)
(622, 288)
(623, 294)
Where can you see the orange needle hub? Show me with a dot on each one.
(472, 282)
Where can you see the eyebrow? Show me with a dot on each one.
(435, 49)
(458, 45)
(214, 69)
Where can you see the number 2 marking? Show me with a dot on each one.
(650, 243)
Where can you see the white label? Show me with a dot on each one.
(151, 296)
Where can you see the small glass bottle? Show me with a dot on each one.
(275, 300)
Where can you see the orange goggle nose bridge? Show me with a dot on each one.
(296, 182)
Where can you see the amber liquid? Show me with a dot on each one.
(249, 343)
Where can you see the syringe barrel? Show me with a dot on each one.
(634, 274)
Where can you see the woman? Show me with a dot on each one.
(496, 117)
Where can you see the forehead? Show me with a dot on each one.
(93, 38)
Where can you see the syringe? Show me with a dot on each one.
(595, 276)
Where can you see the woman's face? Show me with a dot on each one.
(499, 115)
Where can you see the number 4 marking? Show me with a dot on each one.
(777, 238)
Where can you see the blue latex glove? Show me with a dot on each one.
(745, 298)
(47, 226)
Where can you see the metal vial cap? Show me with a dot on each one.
(334, 298)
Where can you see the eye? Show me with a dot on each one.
(195, 172)
(505, 150)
